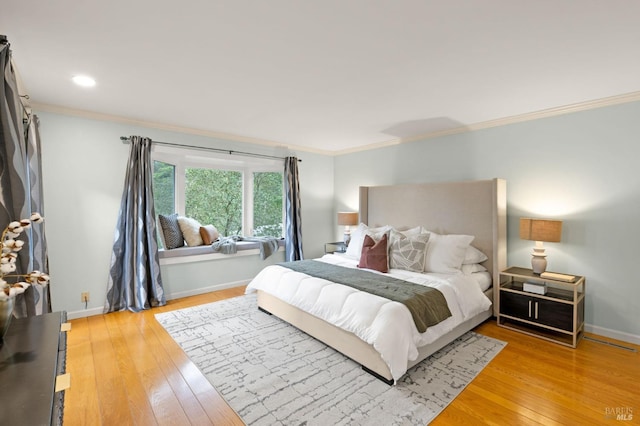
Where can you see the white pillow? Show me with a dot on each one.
(473, 255)
(483, 279)
(445, 253)
(191, 230)
(378, 233)
(410, 232)
(472, 268)
(354, 249)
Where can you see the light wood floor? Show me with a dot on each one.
(126, 370)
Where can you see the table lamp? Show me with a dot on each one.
(347, 219)
(540, 230)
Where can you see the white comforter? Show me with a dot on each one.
(369, 316)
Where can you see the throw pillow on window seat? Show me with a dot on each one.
(171, 231)
(191, 230)
(209, 234)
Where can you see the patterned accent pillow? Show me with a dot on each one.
(374, 254)
(191, 230)
(408, 252)
(173, 237)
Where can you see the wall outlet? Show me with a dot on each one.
(84, 296)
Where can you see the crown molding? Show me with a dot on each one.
(171, 128)
(551, 112)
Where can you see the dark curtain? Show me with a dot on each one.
(293, 215)
(37, 299)
(21, 185)
(134, 277)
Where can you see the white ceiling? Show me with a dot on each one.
(328, 75)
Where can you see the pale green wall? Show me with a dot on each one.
(84, 165)
(580, 167)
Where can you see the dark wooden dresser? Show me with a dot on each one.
(32, 356)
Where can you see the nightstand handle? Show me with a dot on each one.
(536, 310)
(529, 308)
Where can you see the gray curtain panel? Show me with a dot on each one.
(13, 176)
(37, 299)
(134, 277)
(293, 215)
(21, 184)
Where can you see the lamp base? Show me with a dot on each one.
(347, 238)
(538, 261)
(538, 264)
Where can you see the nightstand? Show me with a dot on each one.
(336, 247)
(557, 315)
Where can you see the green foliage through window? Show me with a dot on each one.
(215, 197)
(164, 196)
(267, 204)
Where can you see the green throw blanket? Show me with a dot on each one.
(427, 305)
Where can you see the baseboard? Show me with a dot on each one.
(85, 313)
(99, 311)
(612, 334)
(203, 290)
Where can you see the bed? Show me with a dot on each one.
(473, 208)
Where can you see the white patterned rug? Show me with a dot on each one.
(274, 374)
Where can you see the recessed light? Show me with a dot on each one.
(84, 81)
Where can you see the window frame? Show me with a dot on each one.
(183, 158)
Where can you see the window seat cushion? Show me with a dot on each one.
(207, 249)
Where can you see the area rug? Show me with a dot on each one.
(271, 373)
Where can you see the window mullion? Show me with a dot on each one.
(247, 208)
(181, 185)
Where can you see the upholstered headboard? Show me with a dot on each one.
(477, 208)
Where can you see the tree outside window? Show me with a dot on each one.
(164, 195)
(215, 197)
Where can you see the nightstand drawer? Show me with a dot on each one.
(542, 311)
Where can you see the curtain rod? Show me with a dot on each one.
(126, 139)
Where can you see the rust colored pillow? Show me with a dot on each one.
(374, 254)
(209, 234)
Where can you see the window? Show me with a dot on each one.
(236, 195)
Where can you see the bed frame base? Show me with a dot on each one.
(260, 308)
(352, 346)
(377, 376)
(264, 310)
